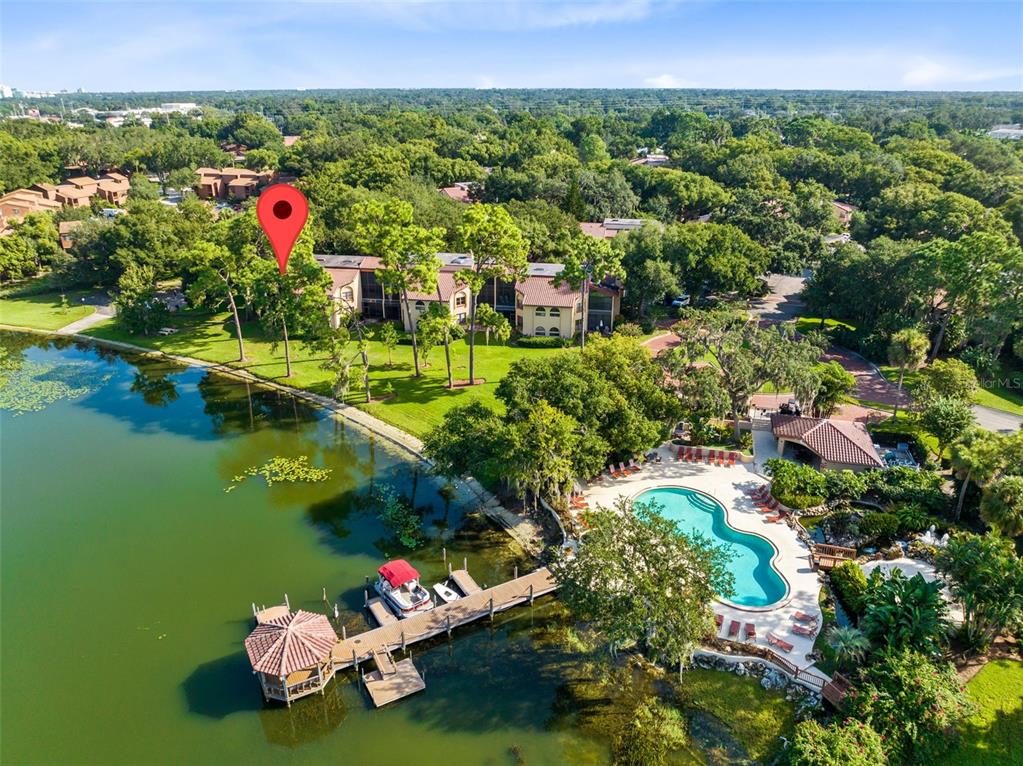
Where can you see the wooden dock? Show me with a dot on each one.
(464, 582)
(380, 612)
(444, 618)
(402, 680)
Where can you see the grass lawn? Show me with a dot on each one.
(992, 736)
(1004, 393)
(417, 405)
(813, 324)
(755, 716)
(43, 311)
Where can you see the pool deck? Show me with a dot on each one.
(727, 486)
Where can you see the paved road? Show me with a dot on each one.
(104, 310)
(782, 302)
(996, 420)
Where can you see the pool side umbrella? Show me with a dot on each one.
(290, 642)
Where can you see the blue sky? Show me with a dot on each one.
(215, 45)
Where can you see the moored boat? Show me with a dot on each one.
(445, 594)
(398, 585)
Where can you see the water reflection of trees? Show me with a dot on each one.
(238, 406)
(308, 719)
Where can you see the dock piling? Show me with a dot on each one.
(491, 608)
(449, 625)
(444, 553)
(344, 633)
(465, 563)
(286, 602)
(530, 594)
(516, 577)
(403, 640)
(365, 598)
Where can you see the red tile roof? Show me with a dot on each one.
(835, 441)
(290, 642)
(342, 277)
(540, 291)
(457, 193)
(447, 284)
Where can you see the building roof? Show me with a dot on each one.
(458, 192)
(398, 572)
(109, 184)
(342, 277)
(66, 227)
(291, 140)
(30, 198)
(82, 181)
(73, 192)
(115, 177)
(835, 441)
(540, 291)
(290, 642)
(445, 282)
(339, 261)
(595, 229)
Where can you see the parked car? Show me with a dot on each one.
(681, 301)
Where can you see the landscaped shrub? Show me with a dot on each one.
(879, 528)
(795, 485)
(844, 485)
(629, 329)
(912, 518)
(527, 341)
(852, 743)
(849, 585)
(895, 485)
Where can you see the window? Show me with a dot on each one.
(518, 301)
(461, 318)
(555, 312)
(541, 311)
(420, 306)
(539, 332)
(555, 332)
(347, 294)
(579, 305)
(460, 300)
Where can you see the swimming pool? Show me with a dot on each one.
(757, 582)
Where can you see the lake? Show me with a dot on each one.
(128, 574)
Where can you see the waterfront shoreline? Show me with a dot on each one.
(528, 535)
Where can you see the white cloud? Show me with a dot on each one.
(666, 81)
(925, 72)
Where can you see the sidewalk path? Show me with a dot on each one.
(104, 310)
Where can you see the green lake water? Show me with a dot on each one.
(128, 573)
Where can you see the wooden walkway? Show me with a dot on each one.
(443, 619)
(380, 612)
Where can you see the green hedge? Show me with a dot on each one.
(850, 586)
(544, 342)
(880, 528)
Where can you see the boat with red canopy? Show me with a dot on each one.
(398, 585)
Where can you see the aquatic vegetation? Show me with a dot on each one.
(27, 386)
(281, 469)
(399, 517)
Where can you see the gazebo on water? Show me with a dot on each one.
(290, 654)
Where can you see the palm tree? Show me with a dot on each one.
(905, 612)
(907, 350)
(849, 644)
(1001, 505)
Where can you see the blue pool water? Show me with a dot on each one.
(757, 583)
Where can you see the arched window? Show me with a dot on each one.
(347, 294)
(555, 312)
(555, 332)
(541, 311)
(539, 332)
(420, 306)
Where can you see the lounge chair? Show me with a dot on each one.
(733, 629)
(731, 459)
(623, 470)
(773, 518)
(721, 459)
(681, 452)
(765, 509)
(711, 456)
(612, 470)
(781, 643)
(751, 631)
(804, 617)
(634, 466)
(805, 630)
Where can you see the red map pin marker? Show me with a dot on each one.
(282, 210)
